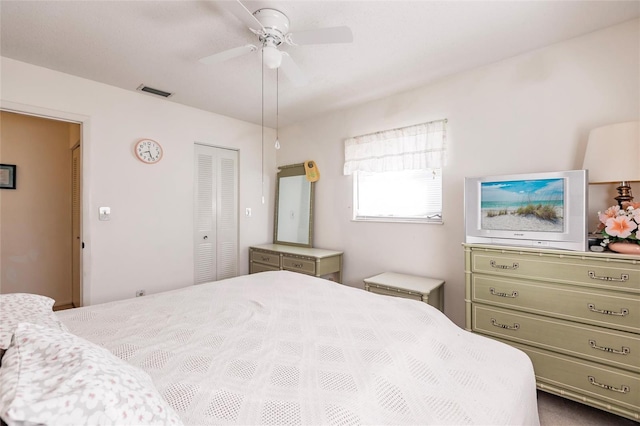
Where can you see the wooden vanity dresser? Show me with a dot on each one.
(311, 261)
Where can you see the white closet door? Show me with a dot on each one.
(205, 198)
(216, 214)
(227, 215)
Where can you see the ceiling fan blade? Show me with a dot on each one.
(228, 54)
(321, 36)
(292, 71)
(243, 14)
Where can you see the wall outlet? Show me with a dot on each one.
(140, 293)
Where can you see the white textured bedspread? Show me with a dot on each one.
(285, 348)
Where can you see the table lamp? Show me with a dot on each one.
(613, 156)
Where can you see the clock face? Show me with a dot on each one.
(148, 151)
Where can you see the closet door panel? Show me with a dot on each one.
(227, 215)
(205, 207)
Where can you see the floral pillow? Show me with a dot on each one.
(50, 376)
(24, 307)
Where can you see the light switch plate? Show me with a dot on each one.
(105, 213)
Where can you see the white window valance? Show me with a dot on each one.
(409, 148)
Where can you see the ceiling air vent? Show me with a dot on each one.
(153, 91)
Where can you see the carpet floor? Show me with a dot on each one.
(558, 411)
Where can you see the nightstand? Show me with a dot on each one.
(423, 289)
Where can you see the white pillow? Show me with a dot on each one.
(53, 377)
(23, 307)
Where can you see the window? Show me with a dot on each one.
(397, 174)
(408, 195)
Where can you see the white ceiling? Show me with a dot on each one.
(398, 45)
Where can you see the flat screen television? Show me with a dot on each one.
(547, 210)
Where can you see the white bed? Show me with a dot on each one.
(286, 348)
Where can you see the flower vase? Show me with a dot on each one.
(625, 248)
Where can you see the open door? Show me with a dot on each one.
(76, 243)
(41, 244)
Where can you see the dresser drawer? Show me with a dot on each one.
(599, 307)
(588, 271)
(258, 267)
(391, 291)
(597, 344)
(266, 257)
(610, 387)
(299, 264)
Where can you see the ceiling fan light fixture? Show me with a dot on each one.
(271, 57)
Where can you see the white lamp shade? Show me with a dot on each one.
(613, 153)
(271, 56)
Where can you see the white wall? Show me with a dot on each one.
(148, 243)
(530, 113)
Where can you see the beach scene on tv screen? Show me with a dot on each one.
(523, 205)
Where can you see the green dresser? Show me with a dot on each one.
(305, 260)
(576, 314)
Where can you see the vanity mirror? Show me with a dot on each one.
(293, 219)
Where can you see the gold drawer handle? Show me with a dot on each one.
(495, 323)
(297, 265)
(265, 258)
(623, 277)
(623, 388)
(495, 265)
(622, 313)
(624, 351)
(493, 291)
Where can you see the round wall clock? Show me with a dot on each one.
(148, 151)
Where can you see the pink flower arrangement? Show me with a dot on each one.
(620, 223)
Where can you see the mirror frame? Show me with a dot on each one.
(287, 171)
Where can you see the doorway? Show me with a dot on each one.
(40, 220)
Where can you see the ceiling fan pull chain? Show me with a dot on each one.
(262, 121)
(277, 108)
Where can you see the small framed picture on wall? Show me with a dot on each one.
(7, 176)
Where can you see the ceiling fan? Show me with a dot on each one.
(272, 28)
